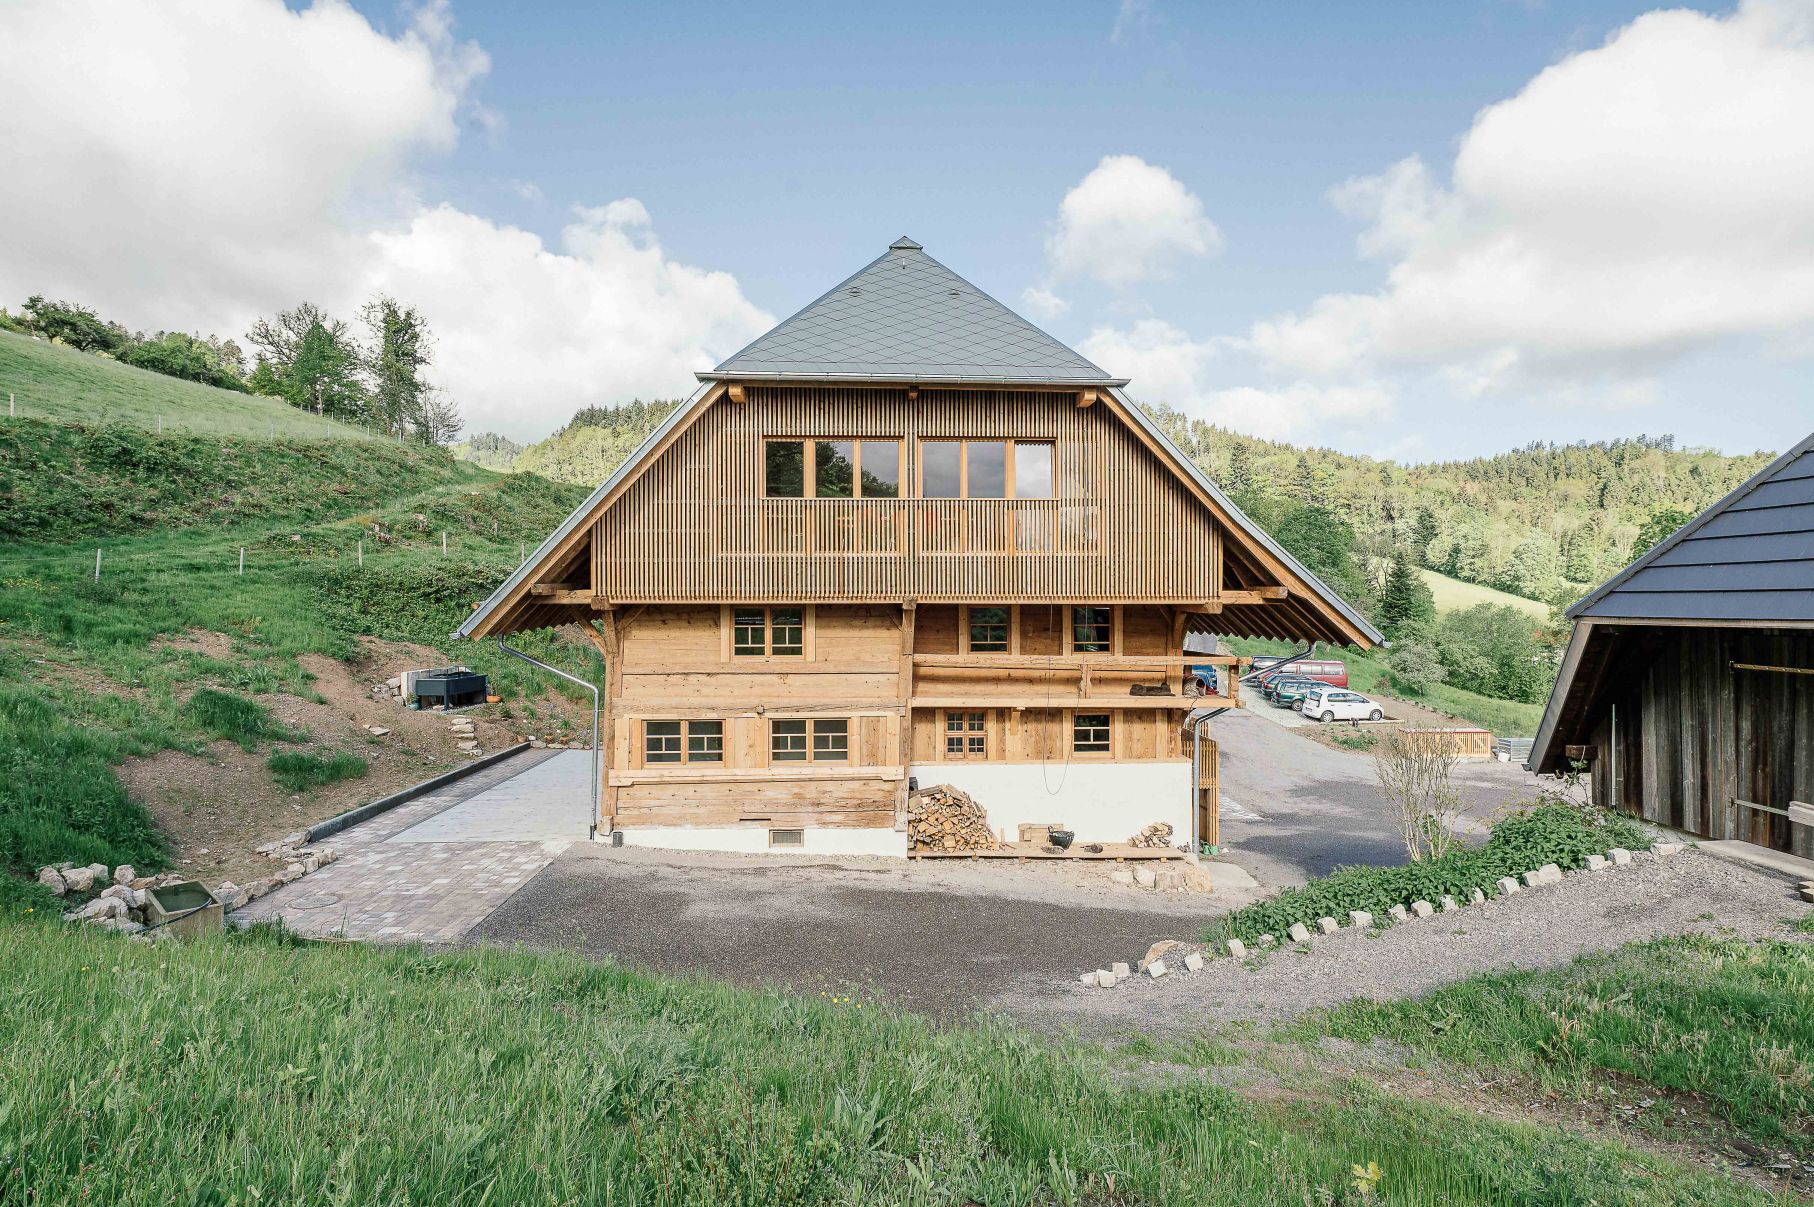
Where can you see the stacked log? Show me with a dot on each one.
(943, 818)
(1159, 834)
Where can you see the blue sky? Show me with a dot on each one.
(784, 146)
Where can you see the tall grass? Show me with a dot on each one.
(299, 770)
(241, 1071)
(221, 714)
(1727, 1021)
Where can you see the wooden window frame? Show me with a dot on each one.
(809, 473)
(1074, 716)
(963, 466)
(1011, 611)
(1070, 629)
(967, 718)
(727, 623)
(685, 738)
(809, 733)
(1110, 628)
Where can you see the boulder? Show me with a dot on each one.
(1156, 969)
(1328, 925)
(1298, 933)
(118, 890)
(1120, 969)
(1398, 913)
(1550, 873)
(100, 873)
(1105, 978)
(78, 880)
(1145, 877)
(1422, 909)
(53, 880)
(1619, 856)
(1476, 897)
(1158, 951)
(1506, 886)
(1194, 962)
(1665, 849)
(1236, 949)
(1449, 904)
(125, 874)
(1122, 876)
(1359, 919)
(1597, 863)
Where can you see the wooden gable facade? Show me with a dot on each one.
(805, 590)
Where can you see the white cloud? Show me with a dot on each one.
(1128, 222)
(195, 163)
(1043, 302)
(1632, 204)
(1130, 16)
(1165, 365)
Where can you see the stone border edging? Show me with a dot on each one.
(1299, 933)
(385, 804)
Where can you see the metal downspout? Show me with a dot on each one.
(592, 829)
(1196, 779)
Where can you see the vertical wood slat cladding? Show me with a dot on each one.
(1691, 734)
(696, 526)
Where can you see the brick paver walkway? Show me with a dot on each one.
(428, 871)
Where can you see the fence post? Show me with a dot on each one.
(160, 425)
(362, 552)
(12, 406)
(522, 554)
(97, 565)
(242, 561)
(443, 542)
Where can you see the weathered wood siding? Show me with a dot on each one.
(697, 526)
(1690, 736)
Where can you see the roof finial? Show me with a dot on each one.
(905, 244)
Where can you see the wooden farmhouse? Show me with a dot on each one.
(905, 535)
(1687, 690)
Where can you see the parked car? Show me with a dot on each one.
(1336, 704)
(1290, 693)
(1270, 685)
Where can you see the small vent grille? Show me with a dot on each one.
(787, 838)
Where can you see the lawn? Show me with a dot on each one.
(245, 1070)
(47, 381)
(1453, 595)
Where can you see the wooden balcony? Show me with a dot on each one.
(1094, 681)
(905, 527)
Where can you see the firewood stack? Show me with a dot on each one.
(1159, 834)
(942, 818)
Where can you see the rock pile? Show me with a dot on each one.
(121, 894)
(943, 818)
(1159, 834)
(466, 736)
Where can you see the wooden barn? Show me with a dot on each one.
(905, 534)
(1687, 690)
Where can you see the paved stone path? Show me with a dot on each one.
(428, 871)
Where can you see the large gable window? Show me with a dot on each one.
(986, 469)
(831, 469)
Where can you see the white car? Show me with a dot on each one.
(1339, 704)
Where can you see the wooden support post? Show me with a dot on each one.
(909, 615)
(606, 639)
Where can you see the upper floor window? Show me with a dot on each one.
(768, 632)
(832, 469)
(1092, 630)
(986, 469)
(989, 630)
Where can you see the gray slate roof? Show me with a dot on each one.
(906, 317)
(1748, 557)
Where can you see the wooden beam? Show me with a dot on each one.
(1087, 398)
(736, 394)
(1253, 595)
(550, 593)
(1779, 670)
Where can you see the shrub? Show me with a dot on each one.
(224, 715)
(1416, 666)
(298, 770)
(1549, 832)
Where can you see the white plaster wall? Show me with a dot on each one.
(1102, 802)
(820, 840)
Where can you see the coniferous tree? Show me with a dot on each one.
(1405, 604)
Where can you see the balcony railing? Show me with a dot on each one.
(906, 527)
(1026, 680)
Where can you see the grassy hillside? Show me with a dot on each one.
(66, 386)
(245, 1070)
(89, 672)
(1453, 595)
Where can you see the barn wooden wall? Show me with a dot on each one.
(696, 524)
(1691, 735)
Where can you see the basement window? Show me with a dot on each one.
(787, 838)
(1090, 733)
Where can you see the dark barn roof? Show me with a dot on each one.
(1749, 557)
(1746, 560)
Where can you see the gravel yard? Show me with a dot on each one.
(1544, 927)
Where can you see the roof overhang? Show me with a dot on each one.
(917, 379)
